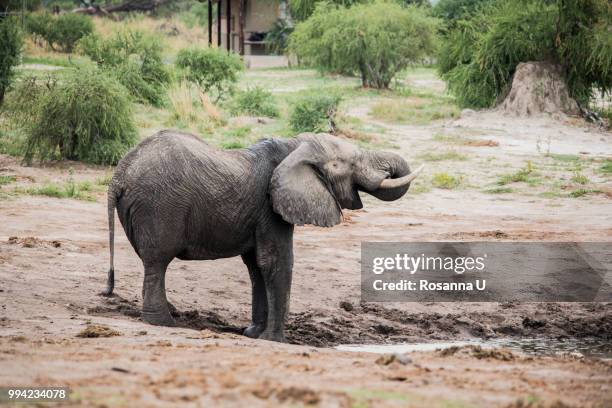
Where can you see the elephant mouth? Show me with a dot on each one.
(356, 203)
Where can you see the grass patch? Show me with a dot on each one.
(563, 157)
(499, 190)
(582, 192)
(446, 181)
(463, 141)
(7, 179)
(444, 156)
(233, 144)
(54, 61)
(580, 178)
(606, 167)
(11, 143)
(524, 175)
(70, 189)
(104, 180)
(419, 110)
(254, 101)
(239, 132)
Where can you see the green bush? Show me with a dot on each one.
(86, 116)
(211, 69)
(135, 59)
(254, 101)
(38, 25)
(453, 10)
(61, 33)
(480, 54)
(278, 36)
(375, 40)
(17, 5)
(11, 42)
(315, 113)
(302, 9)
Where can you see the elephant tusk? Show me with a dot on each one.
(402, 181)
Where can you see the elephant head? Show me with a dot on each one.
(324, 174)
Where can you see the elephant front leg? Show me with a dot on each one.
(259, 302)
(275, 260)
(278, 287)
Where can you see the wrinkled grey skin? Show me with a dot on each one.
(178, 197)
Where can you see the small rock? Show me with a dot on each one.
(98, 330)
(466, 113)
(387, 359)
(348, 306)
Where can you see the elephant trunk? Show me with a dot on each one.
(385, 175)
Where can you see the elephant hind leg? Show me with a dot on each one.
(259, 302)
(155, 308)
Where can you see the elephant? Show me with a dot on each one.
(179, 197)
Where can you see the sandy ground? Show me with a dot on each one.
(51, 274)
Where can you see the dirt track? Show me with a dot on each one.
(51, 273)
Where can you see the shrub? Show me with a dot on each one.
(278, 36)
(211, 69)
(453, 10)
(302, 9)
(480, 55)
(254, 101)
(315, 113)
(86, 116)
(62, 32)
(376, 40)
(446, 181)
(135, 59)
(38, 25)
(11, 42)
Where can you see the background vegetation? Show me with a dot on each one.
(86, 116)
(212, 70)
(376, 40)
(481, 50)
(135, 59)
(10, 50)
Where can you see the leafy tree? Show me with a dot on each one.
(375, 40)
(278, 36)
(135, 59)
(11, 41)
(86, 116)
(480, 54)
(453, 10)
(211, 69)
(60, 32)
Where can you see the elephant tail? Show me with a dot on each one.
(112, 203)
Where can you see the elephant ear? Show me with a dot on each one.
(299, 192)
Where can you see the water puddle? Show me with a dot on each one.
(594, 348)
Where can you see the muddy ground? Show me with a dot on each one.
(54, 256)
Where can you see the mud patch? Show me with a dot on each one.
(97, 330)
(193, 319)
(375, 324)
(33, 242)
(189, 319)
(478, 352)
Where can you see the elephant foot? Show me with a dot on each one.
(272, 336)
(159, 318)
(254, 330)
